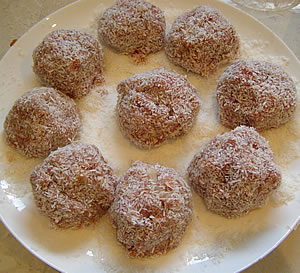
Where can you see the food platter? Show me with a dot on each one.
(212, 243)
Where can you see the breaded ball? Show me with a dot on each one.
(70, 61)
(202, 40)
(155, 106)
(133, 27)
(40, 121)
(234, 173)
(255, 93)
(151, 209)
(74, 186)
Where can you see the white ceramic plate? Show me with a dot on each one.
(212, 243)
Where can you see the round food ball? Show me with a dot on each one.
(70, 61)
(202, 40)
(74, 186)
(40, 121)
(151, 209)
(155, 106)
(133, 27)
(255, 93)
(234, 173)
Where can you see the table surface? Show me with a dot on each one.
(17, 16)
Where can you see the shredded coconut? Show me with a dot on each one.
(209, 237)
(133, 27)
(155, 106)
(73, 186)
(70, 61)
(255, 93)
(202, 40)
(235, 172)
(151, 209)
(40, 121)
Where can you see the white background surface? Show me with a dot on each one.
(16, 17)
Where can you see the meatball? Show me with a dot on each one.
(155, 106)
(202, 40)
(151, 209)
(255, 93)
(70, 61)
(234, 173)
(40, 121)
(133, 27)
(74, 186)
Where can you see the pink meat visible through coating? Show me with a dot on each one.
(155, 106)
(40, 121)
(234, 173)
(70, 61)
(74, 186)
(202, 40)
(151, 209)
(255, 93)
(133, 27)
